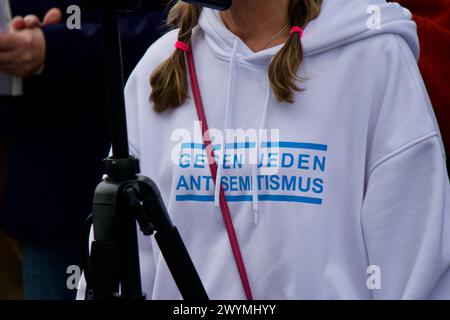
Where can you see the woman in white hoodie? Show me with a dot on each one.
(349, 198)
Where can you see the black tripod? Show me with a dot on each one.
(124, 198)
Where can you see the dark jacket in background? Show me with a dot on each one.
(58, 131)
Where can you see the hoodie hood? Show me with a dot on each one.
(340, 22)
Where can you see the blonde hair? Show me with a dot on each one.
(170, 83)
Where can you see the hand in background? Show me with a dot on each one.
(22, 52)
(53, 16)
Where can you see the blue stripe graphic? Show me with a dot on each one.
(248, 198)
(295, 145)
(251, 145)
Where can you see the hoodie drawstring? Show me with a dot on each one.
(228, 117)
(255, 171)
(227, 124)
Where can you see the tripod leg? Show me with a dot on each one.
(171, 244)
(181, 265)
(102, 283)
(130, 272)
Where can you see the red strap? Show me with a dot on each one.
(213, 166)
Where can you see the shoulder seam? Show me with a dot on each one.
(401, 149)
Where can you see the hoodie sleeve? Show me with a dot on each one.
(406, 222)
(406, 206)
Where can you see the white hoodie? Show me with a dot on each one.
(358, 205)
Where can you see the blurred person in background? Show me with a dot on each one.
(10, 268)
(10, 256)
(55, 135)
